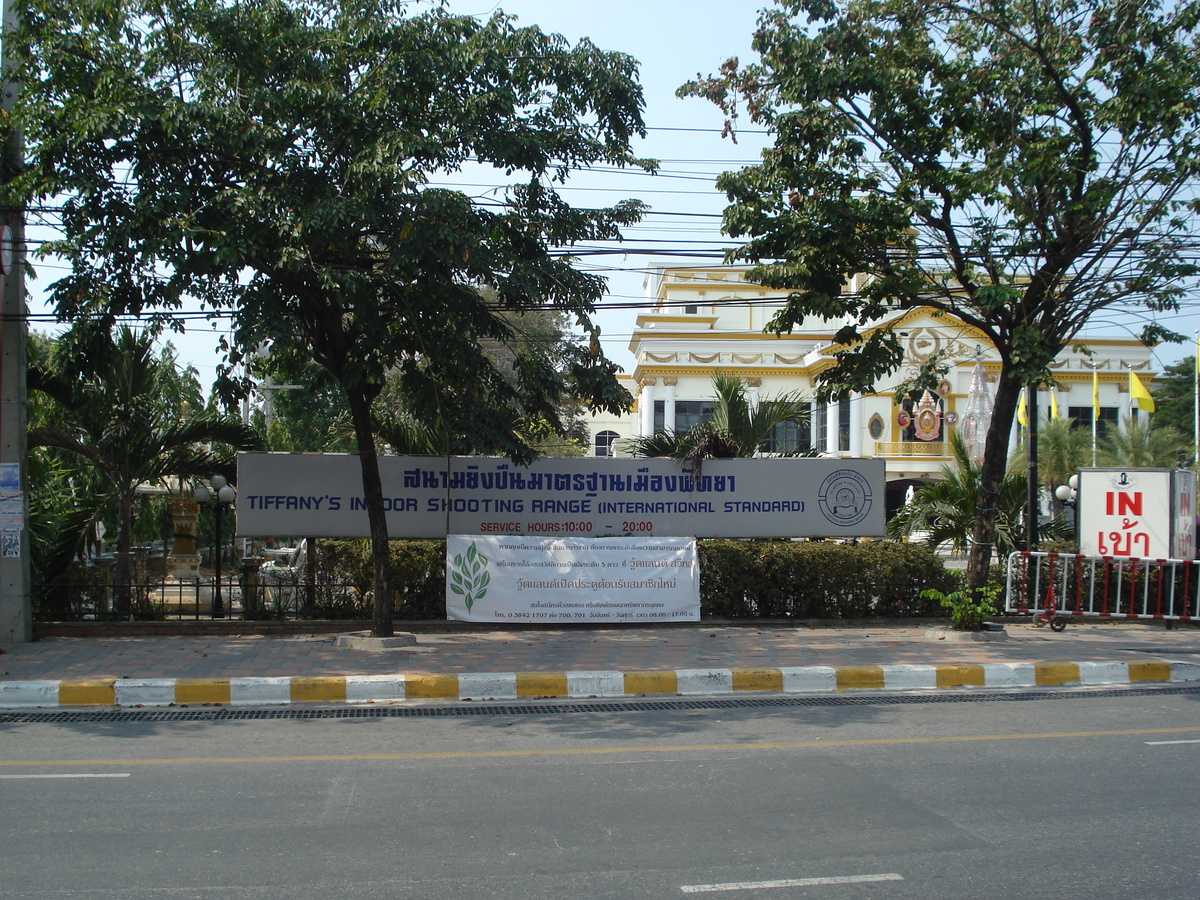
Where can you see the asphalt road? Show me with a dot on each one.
(1075, 797)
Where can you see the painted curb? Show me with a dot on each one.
(283, 690)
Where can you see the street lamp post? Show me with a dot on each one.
(1069, 493)
(224, 496)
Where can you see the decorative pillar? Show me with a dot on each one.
(669, 403)
(814, 410)
(184, 560)
(832, 420)
(251, 605)
(646, 406)
(752, 386)
(856, 425)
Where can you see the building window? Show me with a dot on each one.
(821, 426)
(688, 414)
(604, 443)
(788, 437)
(691, 309)
(1081, 417)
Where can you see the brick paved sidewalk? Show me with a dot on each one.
(630, 648)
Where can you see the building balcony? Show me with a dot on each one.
(922, 449)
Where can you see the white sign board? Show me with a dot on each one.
(1137, 513)
(320, 495)
(1184, 498)
(524, 580)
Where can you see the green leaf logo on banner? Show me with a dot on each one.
(469, 576)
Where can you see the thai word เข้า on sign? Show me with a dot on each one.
(522, 580)
(320, 495)
(1137, 513)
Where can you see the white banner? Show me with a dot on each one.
(526, 580)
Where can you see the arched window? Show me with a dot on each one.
(604, 443)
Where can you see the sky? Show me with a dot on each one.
(674, 40)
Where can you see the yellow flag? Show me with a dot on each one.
(1055, 412)
(1138, 391)
(1095, 394)
(1022, 419)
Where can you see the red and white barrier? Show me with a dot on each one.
(1072, 584)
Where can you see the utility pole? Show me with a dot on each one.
(16, 609)
(1034, 488)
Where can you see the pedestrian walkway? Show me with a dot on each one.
(588, 661)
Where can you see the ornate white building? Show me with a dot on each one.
(709, 319)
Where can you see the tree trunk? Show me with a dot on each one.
(123, 577)
(995, 461)
(360, 413)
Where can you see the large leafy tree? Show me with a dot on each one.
(127, 416)
(1175, 396)
(280, 159)
(1020, 165)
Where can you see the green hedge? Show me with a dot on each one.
(738, 579)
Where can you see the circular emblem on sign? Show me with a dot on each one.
(845, 498)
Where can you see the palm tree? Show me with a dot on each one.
(118, 421)
(945, 509)
(1063, 450)
(1139, 444)
(734, 429)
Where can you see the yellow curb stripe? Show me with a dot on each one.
(202, 690)
(541, 684)
(87, 692)
(431, 687)
(651, 683)
(858, 678)
(960, 676)
(328, 689)
(757, 680)
(1149, 670)
(1046, 674)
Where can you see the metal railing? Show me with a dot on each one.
(254, 593)
(1103, 586)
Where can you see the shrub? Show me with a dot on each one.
(818, 579)
(418, 574)
(738, 579)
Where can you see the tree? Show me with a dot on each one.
(1063, 448)
(280, 159)
(945, 510)
(1175, 396)
(1141, 443)
(735, 428)
(1022, 166)
(123, 416)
